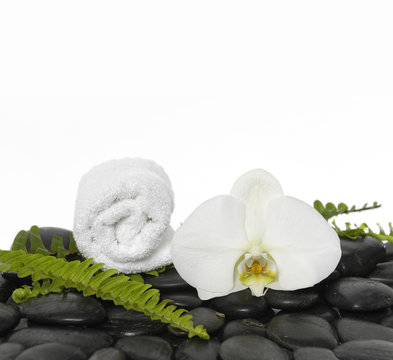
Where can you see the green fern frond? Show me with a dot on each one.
(37, 246)
(354, 231)
(330, 210)
(57, 274)
(157, 272)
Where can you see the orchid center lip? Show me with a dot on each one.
(257, 271)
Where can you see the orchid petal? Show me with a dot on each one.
(255, 188)
(302, 243)
(206, 248)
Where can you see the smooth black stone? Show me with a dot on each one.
(6, 288)
(202, 316)
(168, 280)
(332, 277)
(251, 347)
(88, 340)
(314, 353)
(183, 299)
(121, 322)
(16, 280)
(67, 308)
(174, 340)
(23, 324)
(389, 251)
(373, 316)
(365, 350)
(243, 327)
(292, 300)
(145, 348)
(320, 309)
(9, 318)
(299, 330)
(196, 349)
(240, 305)
(9, 351)
(109, 353)
(46, 236)
(358, 294)
(52, 351)
(387, 321)
(383, 272)
(359, 257)
(349, 329)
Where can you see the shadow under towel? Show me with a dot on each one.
(122, 215)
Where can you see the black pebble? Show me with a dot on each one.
(360, 256)
(67, 308)
(375, 316)
(109, 353)
(50, 351)
(349, 329)
(9, 318)
(292, 300)
(243, 327)
(325, 311)
(9, 351)
(299, 330)
(251, 347)
(6, 288)
(168, 280)
(210, 319)
(145, 348)
(88, 340)
(314, 353)
(183, 299)
(383, 272)
(196, 349)
(365, 350)
(358, 294)
(240, 305)
(121, 322)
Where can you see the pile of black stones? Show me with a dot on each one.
(348, 316)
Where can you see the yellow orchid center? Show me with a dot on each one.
(256, 271)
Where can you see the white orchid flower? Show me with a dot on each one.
(255, 237)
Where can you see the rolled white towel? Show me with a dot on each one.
(122, 215)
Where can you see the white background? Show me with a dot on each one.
(207, 89)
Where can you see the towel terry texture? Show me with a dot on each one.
(122, 215)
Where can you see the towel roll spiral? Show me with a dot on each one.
(122, 215)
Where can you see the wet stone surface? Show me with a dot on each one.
(9, 351)
(383, 272)
(121, 322)
(240, 305)
(348, 315)
(251, 347)
(299, 330)
(243, 327)
(196, 349)
(145, 347)
(50, 351)
(67, 308)
(359, 257)
(358, 294)
(109, 353)
(9, 318)
(210, 319)
(88, 340)
(292, 300)
(348, 330)
(167, 281)
(313, 353)
(183, 299)
(365, 350)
